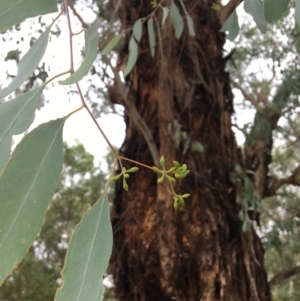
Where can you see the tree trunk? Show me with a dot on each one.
(198, 252)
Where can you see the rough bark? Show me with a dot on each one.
(198, 252)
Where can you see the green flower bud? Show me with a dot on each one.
(160, 180)
(171, 179)
(175, 204)
(162, 161)
(155, 169)
(180, 200)
(186, 195)
(125, 186)
(172, 169)
(176, 164)
(132, 169)
(116, 178)
(126, 175)
(182, 168)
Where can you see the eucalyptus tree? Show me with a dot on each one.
(178, 107)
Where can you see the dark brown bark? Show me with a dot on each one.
(198, 252)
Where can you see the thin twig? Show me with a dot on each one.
(246, 95)
(70, 36)
(85, 25)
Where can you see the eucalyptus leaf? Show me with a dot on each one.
(112, 44)
(88, 256)
(256, 10)
(13, 12)
(138, 29)
(28, 63)
(274, 9)
(16, 116)
(297, 12)
(151, 35)
(231, 26)
(133, 55)
(91, 49)
(26, 187)
(165, 14)
(176, 20)
(190, 24)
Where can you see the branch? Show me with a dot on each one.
(244, 93)
(283, 275)
(226, 10)
(84, 25)
(134, 114)
(291, 180)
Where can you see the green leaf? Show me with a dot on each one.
(151, 35)
(28, 63)
(297, 11)
(26, 187)
(256, 10)
(232, 26)
(165, 15)
(88, 256)
(138, 29)
(274, 9)
(111, 45)
(91, 49)
(176, 20)
(133, 55)
(190, 24)
(13, 12)
(197, 146)
(15, 117)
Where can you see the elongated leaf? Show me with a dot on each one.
(28, 63)
(151, 34)
(133, 55)
(111, 45)
(256, 10)
(297, 12)
(13, 12)
(88, 255)
(274, 9)
(15, 117)
(190, 25)
(138, 29)
(232, 26)
(176, 20)
(91, 49)
(26, 187)
(165, 14)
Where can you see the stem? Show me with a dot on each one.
(55, 76)
(70, 35)
(133, 161)
(110, 175)
(95, 121)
